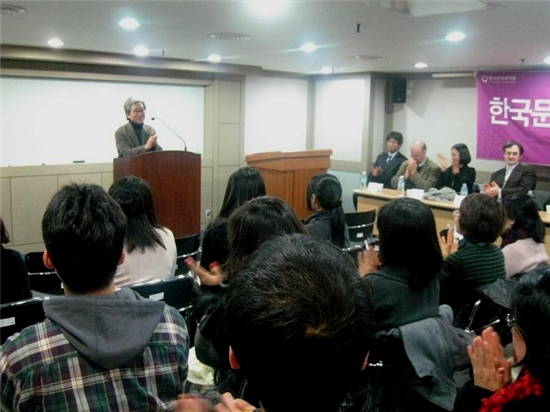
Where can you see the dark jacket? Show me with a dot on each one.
(466, 174)
(388, 169)
(128, 143)
(521, 180)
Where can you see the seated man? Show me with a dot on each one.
(387, 164)
(300, 324)
(515, 178)
(98, 350)
(419, 171)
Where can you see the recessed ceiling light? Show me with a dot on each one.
(327, 70)
(214, 58)
(455, 36)
(547, 60)
(55, 42)
(268, 8)
(420, 65)
(129, 23)
(141, 51)
(308, 47)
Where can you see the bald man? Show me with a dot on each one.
(419, 171)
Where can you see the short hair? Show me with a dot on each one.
(398, 137)
(253, 223)
(328, 191)
(481, 218)
(134, 195)
(523, 210)
(83, 230)
(511, 143)
(463, 153)
(530, 308)
(4, 232)
(243, 185)
(300, 322)
(131, 101)
(408, 240)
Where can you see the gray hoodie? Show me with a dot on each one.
(110, 330)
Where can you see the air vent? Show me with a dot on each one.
(230, 36)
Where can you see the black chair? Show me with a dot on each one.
(177, 292)
(41, 278)
(360, 226)
(188, 246)
(16, 316)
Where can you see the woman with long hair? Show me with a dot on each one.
(523, 236)
(150, 249)
(324, 198)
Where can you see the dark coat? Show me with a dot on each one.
(388, 169)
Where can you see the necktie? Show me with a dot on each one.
(388, 159)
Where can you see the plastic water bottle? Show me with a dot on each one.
(464, 190)
(363, 181)
(401, 186)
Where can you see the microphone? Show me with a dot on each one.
(169, 128)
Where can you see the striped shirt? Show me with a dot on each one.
(41, 370)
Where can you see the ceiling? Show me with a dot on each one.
(392, 36)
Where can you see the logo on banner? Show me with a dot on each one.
(498, 79)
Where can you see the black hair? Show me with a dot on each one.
(328, 192)
(511, 143)
(463, 153)
(398, 137)
(408, 240)
(253, 223)
(481, 219)
(300, 322)
(530, 308)
(83, 230)
(523, 210)
(5, 234)
(134, 195)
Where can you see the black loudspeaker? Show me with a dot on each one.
(398, 90)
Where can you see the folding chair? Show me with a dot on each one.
(188, 246)
(41, 278)
(15, 316)
(360, 226)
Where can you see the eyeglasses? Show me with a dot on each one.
(510, 320)
(456, 213)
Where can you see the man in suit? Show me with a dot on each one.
(515, 177)
(419, 171)
(386, 164)
(135, 138)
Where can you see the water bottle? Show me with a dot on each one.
(464, 190)
(401, 186)
(363, 181)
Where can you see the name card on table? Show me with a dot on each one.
(375, 187)
(417, 194)
(458, 200)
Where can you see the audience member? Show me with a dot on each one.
(493, 389)
(14, 278)
(387, 163)
(523, 237)
(305, 331)
(475, 261)
(135, 138)
(419, 171)
(255, 222)
(97, 350)
(150, 249)
(324, 198)
(458, 173)
(404, 284)
(515, 177)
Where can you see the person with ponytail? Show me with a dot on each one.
(324, 198)
(493, 388)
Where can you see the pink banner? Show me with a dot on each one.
(514, 106)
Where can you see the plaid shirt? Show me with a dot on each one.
(41, 370)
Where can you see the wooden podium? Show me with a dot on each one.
(175, 180)
(286, 174)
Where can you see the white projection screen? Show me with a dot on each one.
(59, 121)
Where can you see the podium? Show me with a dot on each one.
(286, 174)
(175, 180)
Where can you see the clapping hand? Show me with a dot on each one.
(368, 261)
(212, 277)
(448, 244)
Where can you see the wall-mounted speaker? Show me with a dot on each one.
(398, 90)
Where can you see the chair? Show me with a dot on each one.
(188, 246)
(15, 316)
(41, 278)
(177, 292)
(360, 226)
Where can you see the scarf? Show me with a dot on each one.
(512, 235)
(524, 387)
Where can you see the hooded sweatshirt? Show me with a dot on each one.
(110, 352)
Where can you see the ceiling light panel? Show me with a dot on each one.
(129, 23)
(141, 50)
(55, 42)
(455, 36)
(308, 47)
